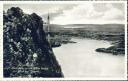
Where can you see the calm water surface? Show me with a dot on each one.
(81, 60)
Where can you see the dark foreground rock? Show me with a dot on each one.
(26, 52)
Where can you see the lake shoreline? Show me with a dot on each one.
(89, 62)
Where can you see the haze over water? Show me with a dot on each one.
(81, 60)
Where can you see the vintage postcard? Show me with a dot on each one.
(69, 40)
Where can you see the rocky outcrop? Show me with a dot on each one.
(26, 51)
(116, 49)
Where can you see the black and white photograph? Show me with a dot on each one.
(66, 40)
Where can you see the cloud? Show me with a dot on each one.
(113, 14)
(87, 13)
(40, 8)
(91, 14)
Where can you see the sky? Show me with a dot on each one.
(87, 13)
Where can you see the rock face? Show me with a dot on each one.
(26, 52)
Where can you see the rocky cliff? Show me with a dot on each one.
(26, 52)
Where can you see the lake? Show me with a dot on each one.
(81, 60)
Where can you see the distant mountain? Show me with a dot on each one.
(88, 27)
